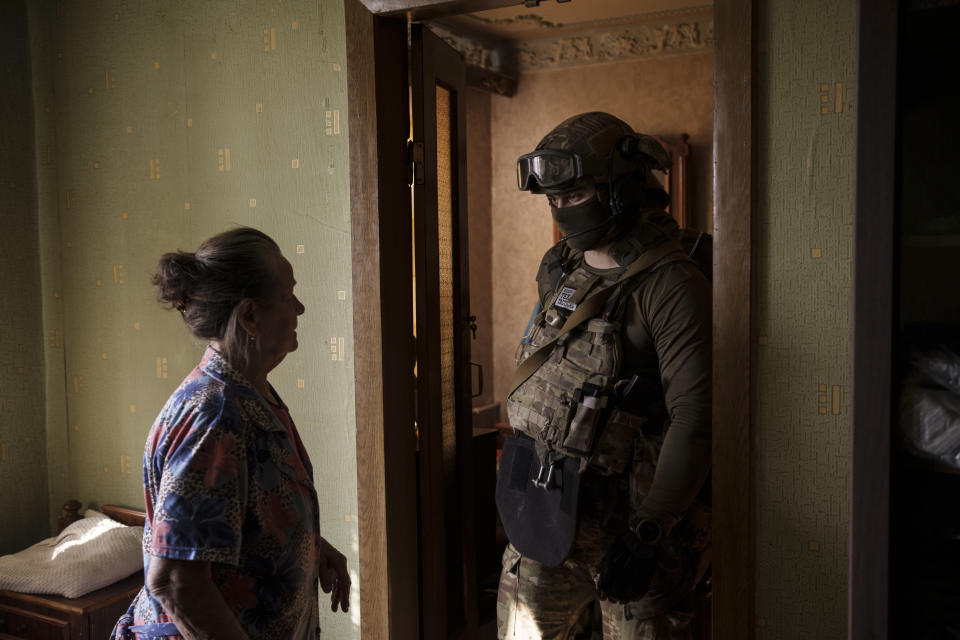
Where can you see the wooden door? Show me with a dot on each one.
(442, 326)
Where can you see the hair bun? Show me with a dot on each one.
(174, 278)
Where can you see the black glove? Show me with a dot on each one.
(627, 568)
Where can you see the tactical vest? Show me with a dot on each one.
(568, 405)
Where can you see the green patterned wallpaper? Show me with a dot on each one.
(160, 123)
(807, 93)
(23, 464)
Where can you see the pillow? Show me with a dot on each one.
(90, 554)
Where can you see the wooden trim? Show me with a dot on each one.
(124, 590)
(873, 313)
(382, 315)
(679, 179)
(124, 515)
(734, 519)
(368, 365)
(62, 625)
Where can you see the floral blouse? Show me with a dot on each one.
(228, 481)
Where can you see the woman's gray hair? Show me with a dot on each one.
(207, 286)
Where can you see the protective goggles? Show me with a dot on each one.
(548, 169)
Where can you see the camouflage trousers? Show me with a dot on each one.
(537, 602)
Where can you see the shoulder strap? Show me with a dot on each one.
(613, 310)
(552, 268)
(588, 309)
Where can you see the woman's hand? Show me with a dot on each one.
(334, 576)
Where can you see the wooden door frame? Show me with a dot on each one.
(874, 229)
(387, 523)
(382, 330)
(734, 317)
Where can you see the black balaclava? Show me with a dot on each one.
(584, 224)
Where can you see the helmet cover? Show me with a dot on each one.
(589, 139)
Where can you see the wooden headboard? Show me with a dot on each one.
(123, 515)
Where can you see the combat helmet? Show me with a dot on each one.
(596, 148)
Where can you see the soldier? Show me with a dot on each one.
(603, 488)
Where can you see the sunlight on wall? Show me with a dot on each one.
(354, 580)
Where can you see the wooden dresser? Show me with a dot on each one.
(32, 616)
(29, 616)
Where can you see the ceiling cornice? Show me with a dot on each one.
(667, 34)
(610, 40)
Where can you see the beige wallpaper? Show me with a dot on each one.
(49, 293)
(665, 96)
(806, 131)
(159, 124)
(23, 482)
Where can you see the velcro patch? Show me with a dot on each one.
(563, 300)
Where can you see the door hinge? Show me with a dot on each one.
(414, 162)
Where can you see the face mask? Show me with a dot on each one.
(586, 223)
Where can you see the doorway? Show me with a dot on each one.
(384, 601)
(668, 93)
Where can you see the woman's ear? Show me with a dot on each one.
(247, 316)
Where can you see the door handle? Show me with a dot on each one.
(479, 379)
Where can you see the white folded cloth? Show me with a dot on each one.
(90, 554)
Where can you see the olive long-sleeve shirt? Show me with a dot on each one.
(666, 341)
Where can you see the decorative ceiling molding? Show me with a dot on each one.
(670, 33)
(692, 35)
(531, 25)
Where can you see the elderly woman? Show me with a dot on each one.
(232, 545)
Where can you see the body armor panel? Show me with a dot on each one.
(569, 404)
